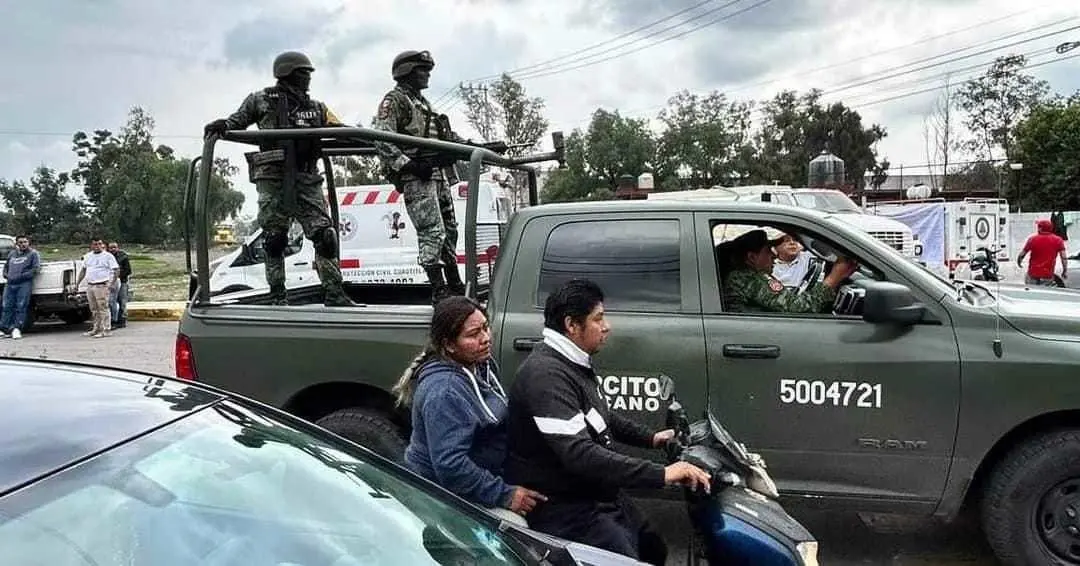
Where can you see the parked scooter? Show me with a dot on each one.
(984, 267)
(740, 520)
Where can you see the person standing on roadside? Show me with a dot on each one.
(22, 265)
(1045, 248)
(100, 270)
(118, 296)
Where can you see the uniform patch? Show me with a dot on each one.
(775, 285)
(384, 109)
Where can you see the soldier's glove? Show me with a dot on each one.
(420, 168)
(218, 127)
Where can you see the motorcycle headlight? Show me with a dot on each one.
(808, 552)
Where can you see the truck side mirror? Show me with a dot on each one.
(891, 303)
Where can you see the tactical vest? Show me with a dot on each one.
(278, 113)
(423, 122)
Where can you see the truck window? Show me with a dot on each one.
(635, 262)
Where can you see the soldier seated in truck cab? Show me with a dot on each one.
(749, 286)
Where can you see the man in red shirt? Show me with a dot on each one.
(1045, 247)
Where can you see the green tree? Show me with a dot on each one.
(135, 190)
(42, 208)
(797, 128)
(706, 139)
(1047, 142)
(996, 102)
(352, 171)
(504, 111)
(612, 146)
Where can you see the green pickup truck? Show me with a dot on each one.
(912, 395)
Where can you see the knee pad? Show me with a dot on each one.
(326, 242)
(274, 243)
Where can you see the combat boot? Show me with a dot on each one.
(334, 296)
(439, 288)
(277, 295)
(453, 279)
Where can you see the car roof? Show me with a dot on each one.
(54, 414)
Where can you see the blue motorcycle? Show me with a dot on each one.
(740, 520)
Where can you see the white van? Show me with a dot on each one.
(892, 232)
(378, 242)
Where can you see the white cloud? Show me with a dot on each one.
(81, 64)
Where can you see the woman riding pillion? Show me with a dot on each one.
(458, 411)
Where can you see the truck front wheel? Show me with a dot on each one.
(369, 428)
(1031, 506)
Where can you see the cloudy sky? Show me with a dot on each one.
(82, 64)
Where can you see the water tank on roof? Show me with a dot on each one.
(645, 181)
(826, 170)
(919, 191)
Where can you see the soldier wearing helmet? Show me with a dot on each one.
(288, 105)
(751, 287)
(424, 185)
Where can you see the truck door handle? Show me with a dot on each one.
(526, 344)
(300, 263)
(751, 351)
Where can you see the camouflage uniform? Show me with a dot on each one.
(267, 171)
(430, 206)
(749, 290)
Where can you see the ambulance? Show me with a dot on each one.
(378, 242)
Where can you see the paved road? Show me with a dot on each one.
(844, 540)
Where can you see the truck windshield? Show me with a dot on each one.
(827, 202)
(6, 245)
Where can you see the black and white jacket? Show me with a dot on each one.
(561, 430)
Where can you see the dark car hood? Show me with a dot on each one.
(1044, 313)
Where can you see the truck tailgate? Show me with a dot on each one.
(270, 353)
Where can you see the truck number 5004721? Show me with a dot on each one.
(835, 393)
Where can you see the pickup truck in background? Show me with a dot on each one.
(54, 292)
(911, 395)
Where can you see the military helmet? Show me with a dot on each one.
(290, 61)
(406, 61)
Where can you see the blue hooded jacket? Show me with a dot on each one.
(459, 432)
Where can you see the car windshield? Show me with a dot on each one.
(227, 487)
(826, 202)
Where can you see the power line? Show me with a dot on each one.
(879, 78)
(876, 53)
(579, 51)
(968, 56)
(905, 95)
(602, 43)
(713, 21)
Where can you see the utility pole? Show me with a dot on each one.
(485, 117)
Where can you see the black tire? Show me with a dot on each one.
(369, 428)
(1031, 506)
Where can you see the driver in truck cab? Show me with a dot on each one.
(751, 287)
(561, 435)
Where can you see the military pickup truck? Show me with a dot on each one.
(911, 395)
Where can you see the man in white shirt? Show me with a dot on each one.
(100, 269)
(792, 262)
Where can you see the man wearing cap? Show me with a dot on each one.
(424, 185)
(287, 104)
(1045, 248)
(751, 287)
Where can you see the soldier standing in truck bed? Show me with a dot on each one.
(288, 105)
(424, 185)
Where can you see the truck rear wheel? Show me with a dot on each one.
(1031, 506)
(369, 428)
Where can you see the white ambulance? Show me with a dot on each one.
(378, 242)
